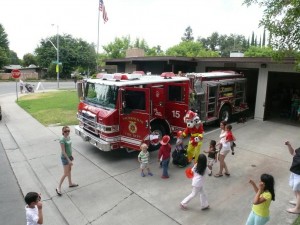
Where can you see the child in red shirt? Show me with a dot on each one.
(229, 137)
(164, 154)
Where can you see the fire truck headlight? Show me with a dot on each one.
(109, 129)
(115, 128)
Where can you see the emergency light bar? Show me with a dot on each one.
(126, 76)
(119, 76)
(167, 75)
(139, 72)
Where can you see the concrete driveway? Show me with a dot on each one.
(111, 190)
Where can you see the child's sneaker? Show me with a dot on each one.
(142, 174)
(150, 174)
(210, 173)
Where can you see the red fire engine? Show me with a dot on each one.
(123, 110)
(217, 95)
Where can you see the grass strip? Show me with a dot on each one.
(52, 108)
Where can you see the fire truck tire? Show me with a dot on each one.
(159, 129)
(225, 114)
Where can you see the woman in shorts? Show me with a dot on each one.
(66, 158)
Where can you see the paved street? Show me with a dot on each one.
(9, 87)
(111, 190)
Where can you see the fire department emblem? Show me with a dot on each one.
(157, 94)
(132, 127)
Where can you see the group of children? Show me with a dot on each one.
(179, 156)
(264, 191)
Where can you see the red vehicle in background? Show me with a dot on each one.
(123, 110)
(218, 95)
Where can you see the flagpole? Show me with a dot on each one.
(98, 39)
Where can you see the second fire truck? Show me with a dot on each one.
(124, 110)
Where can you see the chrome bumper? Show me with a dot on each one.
(97, 142)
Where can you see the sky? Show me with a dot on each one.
(159, 22)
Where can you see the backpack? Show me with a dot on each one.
(179, 156)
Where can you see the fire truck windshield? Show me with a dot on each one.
(101, 95)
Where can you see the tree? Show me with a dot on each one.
(252, 39)
(4, 49)
(29, 59)
(264, 39)
(224, 44)
(142, 44)
(257, 51)
(73, 53)
(14, 60)
(281, 19)
(117, 49)
(188, 34)
(190, 49)
(155, 51)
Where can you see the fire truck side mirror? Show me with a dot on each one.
(80, 88)
(125, 108)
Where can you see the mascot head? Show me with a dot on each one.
(191, 119)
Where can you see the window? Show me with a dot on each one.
(175, 93)
(135, 100)
(102, 95)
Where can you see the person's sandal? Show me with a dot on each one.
(227, 174)
(58, 192)
(73, 185)
(218, 175)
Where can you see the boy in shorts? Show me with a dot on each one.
(143, 158)
(212, 155)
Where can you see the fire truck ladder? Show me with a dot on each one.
(211, 105)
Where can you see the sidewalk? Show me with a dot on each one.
(111, 190)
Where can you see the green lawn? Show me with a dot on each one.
(57, 107)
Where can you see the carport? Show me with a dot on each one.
(281, 87)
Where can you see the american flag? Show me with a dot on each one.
(102, 9)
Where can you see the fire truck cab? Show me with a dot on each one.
(216, 96)
(124, 110)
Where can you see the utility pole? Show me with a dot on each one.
(57, 54)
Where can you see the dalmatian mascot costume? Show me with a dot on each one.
(195, 129)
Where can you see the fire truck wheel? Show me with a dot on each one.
(225, 114)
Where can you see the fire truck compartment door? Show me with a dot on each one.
(158, 102)
(177, 104)
(135, 123)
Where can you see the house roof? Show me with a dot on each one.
(269, 60)
(12, 67)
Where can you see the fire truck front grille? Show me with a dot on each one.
(89, 121)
